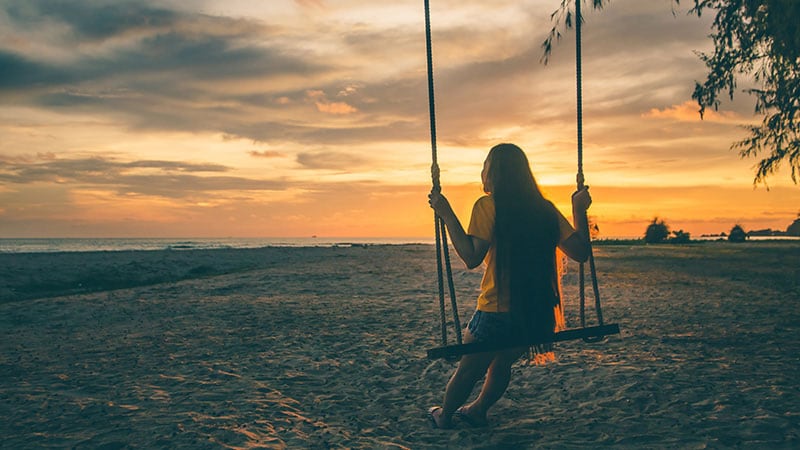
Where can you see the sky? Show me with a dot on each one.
(297, 118)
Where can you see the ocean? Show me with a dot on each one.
(53, 245)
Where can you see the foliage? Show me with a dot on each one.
(794, 228)
(564, 14)
(737, 234)
(656, 232)
(757, 39)
(680, 237)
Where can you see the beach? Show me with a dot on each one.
(324, 347)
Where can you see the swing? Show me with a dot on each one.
(443, 268)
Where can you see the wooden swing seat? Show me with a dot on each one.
(450, 351)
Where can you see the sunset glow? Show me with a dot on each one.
(300, 118)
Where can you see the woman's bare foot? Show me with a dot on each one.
(436, 419)
(472, 419)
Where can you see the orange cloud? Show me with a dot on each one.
(335, 108)
(266, 154)
(688, 111)
(326, 106)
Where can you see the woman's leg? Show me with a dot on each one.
(495, 385)
(471, 368)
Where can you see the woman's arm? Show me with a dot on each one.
(471, 249)
(577, 246)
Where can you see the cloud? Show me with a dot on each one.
(180, 186)
(335, 108)
(329, 160)
(330, 107)
(171, 70)
(297, 86)
(17, 71)
(95, 20)
(193, 72)
(266, 154)
(154, 53)
(179, 166)
(158, 68)
(174, 57)
(313, 134)
(688, 111)
(169, 179)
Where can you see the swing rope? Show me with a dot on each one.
(443, 266)
(580, 183)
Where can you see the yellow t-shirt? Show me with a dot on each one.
(481, 225)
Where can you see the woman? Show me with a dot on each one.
(515, 230)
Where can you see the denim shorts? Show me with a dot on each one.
(491, 326)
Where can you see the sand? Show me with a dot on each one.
(325, 348)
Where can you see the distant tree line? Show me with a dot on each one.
(659, 232)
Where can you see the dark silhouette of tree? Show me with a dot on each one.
(737, 234)
(794, 228)
(656, 232)
(680, 237)
(755, 39)
(759, 39)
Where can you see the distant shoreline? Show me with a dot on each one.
(84, 245)
(694, 241)
(58, 245)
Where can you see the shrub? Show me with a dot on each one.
(656, 232)
(794, 228)
(680, 237)
(737, 234)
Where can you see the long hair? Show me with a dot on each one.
(526, 236)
